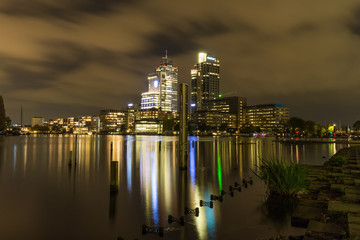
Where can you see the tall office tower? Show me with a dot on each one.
(163, 87)
(205, 78)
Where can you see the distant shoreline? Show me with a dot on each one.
(317, 140)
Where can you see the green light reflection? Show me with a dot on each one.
(219, 169)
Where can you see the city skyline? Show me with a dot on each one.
(75, 58)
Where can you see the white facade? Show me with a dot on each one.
(163, 87)
(148, 127)
(150, 100)
(37, 121)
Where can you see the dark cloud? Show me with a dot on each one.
(184, 38)
(66, 10)
(99, 7)
(98, 53)
(305, 27)
(21, 78)
(174, 43)
(61, 58)
(354, 23)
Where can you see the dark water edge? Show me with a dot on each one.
(42, 198)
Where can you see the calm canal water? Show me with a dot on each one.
(42, 198)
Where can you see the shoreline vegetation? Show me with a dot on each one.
(282, 178)
(329, 208)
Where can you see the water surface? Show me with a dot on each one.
(41, 197)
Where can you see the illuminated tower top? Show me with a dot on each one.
(163, 86)
(205, 80)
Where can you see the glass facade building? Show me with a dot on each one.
(205, 79)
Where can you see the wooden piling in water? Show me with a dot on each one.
(183, 136)
(114, 177)
(111, 151)
(76, 149)
(70, 159)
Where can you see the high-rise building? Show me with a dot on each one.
(163, 87)
(205, 78)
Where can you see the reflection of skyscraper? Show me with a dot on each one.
(204, 80)
(163, 86)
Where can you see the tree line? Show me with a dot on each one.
(303, 127)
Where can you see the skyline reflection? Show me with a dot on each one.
(151, 186)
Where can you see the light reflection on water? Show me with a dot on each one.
(45, 198)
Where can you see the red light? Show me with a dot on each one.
(297, 132)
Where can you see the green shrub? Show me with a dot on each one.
(282, 178)
(337, 160)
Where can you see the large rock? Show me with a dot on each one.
(303, 214)
(354, 225)
(337, 206)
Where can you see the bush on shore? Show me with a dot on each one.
(282, 178)
(337, 160)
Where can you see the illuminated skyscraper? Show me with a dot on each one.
(205, 78)
(163, 87)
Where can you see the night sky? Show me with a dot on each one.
(63, 58)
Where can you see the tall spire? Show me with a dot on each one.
(165, 60)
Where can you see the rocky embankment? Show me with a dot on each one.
(330, 208)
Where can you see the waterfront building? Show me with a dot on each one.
(39, 121)
(268, 117)
(210, 121)
(149, 127)
(113, 121)
(56, 121)
(131, 110)
(162, 87)
(95, 124)
(205, 80)
(233, 105)
(77, 125)
(154, 121)
(85, 124)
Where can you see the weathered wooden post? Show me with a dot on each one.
(70, 159)
(111, 151)
(112, 206)
(114, 173)
(114, 177)
(76, 149)
(114, 183)
(183, 137)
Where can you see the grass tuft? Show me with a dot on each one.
(282, 178)
(337, 160)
